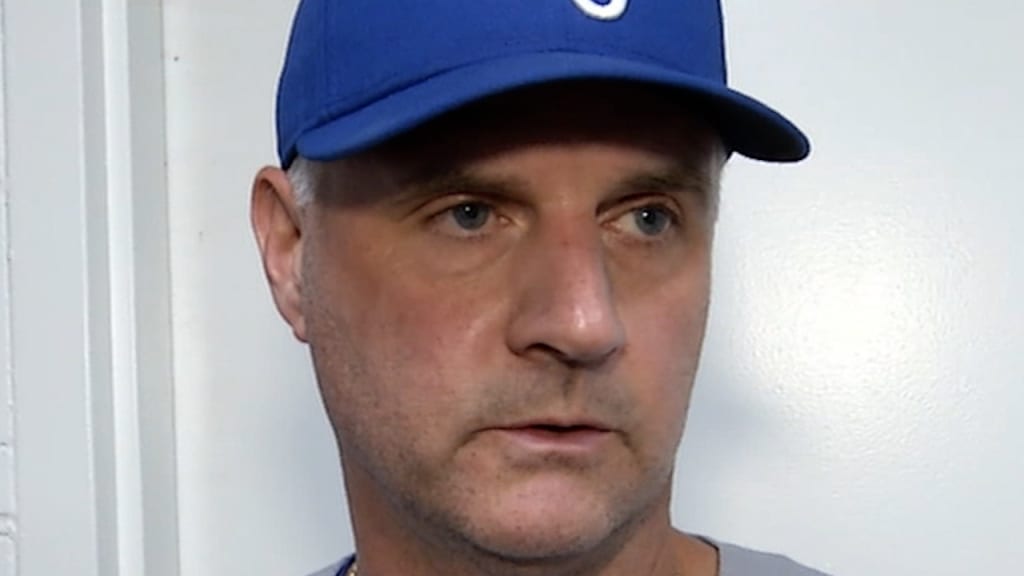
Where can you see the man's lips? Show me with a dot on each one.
(556, 435)
(563, 423)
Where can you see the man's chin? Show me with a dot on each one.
(541, 544)
(556, 516)
(538, 533)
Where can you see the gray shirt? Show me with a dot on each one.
(737, 561)
(732, 561)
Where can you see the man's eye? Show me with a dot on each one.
(652, 220)
(471, 216)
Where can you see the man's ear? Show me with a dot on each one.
(278, 226)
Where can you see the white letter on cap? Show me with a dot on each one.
(613, 10)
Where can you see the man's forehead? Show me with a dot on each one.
(655, 138)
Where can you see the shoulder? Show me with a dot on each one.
(738, 561)
(333, 569)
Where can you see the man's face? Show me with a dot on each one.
(505, 310)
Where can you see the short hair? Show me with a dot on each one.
(304, 175)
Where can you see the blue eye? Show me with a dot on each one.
(651, 220)
(471, 215)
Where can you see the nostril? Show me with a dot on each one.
(581, 357)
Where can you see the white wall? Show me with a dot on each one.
(857, 403)
(259, 483)
(860, 399)
(855, 407)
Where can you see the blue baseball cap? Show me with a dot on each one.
(359, 72)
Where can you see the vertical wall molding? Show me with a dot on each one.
(52, 341)
(85, 291)
(150, 271)
(8, 524)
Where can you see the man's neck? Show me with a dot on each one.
(665, 552)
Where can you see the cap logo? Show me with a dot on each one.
(608, 10)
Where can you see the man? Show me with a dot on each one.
(492, 224)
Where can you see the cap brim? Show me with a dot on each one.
(747, 126)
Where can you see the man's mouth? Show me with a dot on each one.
(558, 429)
(556, 437)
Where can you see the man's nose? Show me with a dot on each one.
(565, 304)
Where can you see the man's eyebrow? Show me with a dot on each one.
(676, 179)
(458, 181)
(673, 180)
